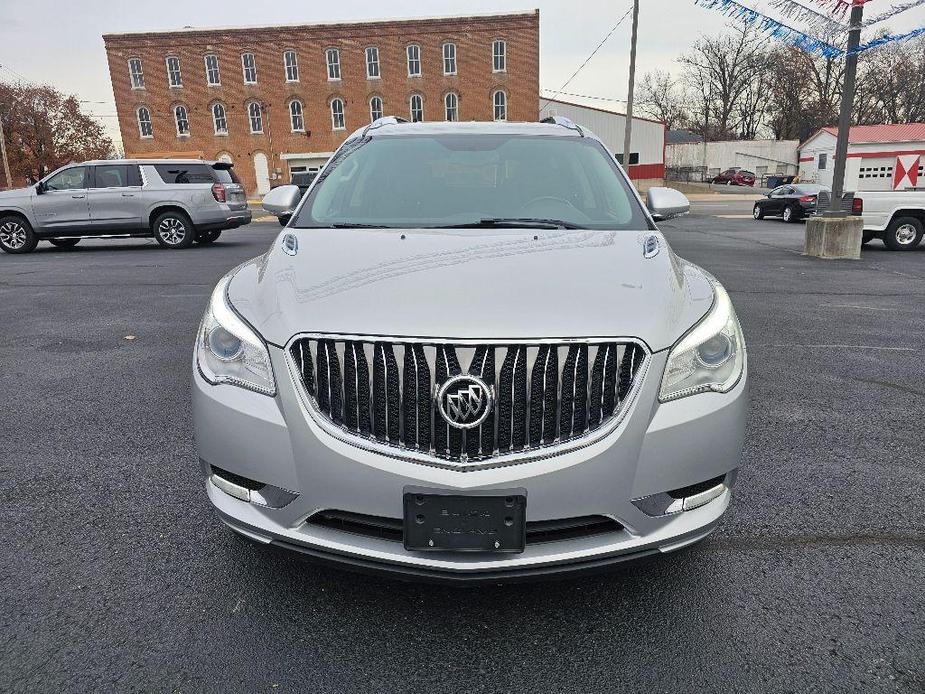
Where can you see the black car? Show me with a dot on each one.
(790, 202)
(303, 180)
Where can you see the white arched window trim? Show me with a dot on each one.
(296, 116)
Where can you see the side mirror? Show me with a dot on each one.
(39, 188)
(282, 201)
(665, 203)
(284, 219)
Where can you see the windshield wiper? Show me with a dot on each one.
(353, 225)
(514, 222)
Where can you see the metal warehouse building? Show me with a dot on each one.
(880, 157)
(647, 145)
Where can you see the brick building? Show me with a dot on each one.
(276, 100)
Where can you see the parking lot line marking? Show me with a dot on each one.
(733, 216)
(794, 344)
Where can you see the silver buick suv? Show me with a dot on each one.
(470, 355)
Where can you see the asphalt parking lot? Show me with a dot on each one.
(117, 576)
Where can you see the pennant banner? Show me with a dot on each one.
(889, 38)
(800, 13)
(893, 11)
(795, 37)
(772, 27)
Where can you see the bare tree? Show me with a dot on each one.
(660, 96)
(894, 76)
(720, 72)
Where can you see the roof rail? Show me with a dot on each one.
(385, 120)
(564, 122)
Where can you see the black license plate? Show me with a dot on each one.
(465, 522)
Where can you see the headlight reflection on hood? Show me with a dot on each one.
(228, 350)
(710, 357)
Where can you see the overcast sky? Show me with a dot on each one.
(61, 42)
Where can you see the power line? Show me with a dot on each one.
(588, 59)
(18, 75)
(587, 96)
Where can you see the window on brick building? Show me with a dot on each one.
(451, 104)
(255, 115)
(499, 98)
(136, 73)
(372, 63)
(375, 108)
(332, 55)
(220, 119)
(499, 56)
(449, 59)
(144, 122)
(291, 63)
(417, 108)
(296, 119)
(337, 114)
(174, 78)
(414, 60)
(213, 77)
(181, 116)
(249, 68)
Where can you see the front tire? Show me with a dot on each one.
(758, 212)
(903, 234)
(64, 243)
(207, 237)
(790, 214)
(16, 235)
(173, 230)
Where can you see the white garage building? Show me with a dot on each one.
(647, 143)
(880, 157)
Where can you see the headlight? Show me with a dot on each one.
(229, 351)
(710, 357)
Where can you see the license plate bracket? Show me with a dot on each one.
(490, 521)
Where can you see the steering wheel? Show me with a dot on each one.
(546, 198)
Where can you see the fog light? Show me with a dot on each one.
(248, 490)
(684, 498)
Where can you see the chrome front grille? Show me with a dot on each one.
(547, 394)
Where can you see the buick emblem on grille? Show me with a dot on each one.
(464, 401)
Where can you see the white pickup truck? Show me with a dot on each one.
(897, 217)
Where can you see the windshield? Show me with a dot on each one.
(810, 189)
(472, 180)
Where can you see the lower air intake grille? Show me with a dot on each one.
(541, 394)
(537, 531)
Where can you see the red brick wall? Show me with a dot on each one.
(474, 83)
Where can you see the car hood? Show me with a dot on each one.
(473, 284)
(15, 193)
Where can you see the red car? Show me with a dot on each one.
(735, 177)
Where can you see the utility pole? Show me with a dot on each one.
(6, 162)
(628, 132)
(844, 117)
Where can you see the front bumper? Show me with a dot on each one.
(657, 447)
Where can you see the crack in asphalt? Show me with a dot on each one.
(890, 384)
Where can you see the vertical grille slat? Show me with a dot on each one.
(386, 422)
(416, 398)
(330, 387)
(545, 393)
(481, 441)
(544, 384)
(356, 388)
(447, 439)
